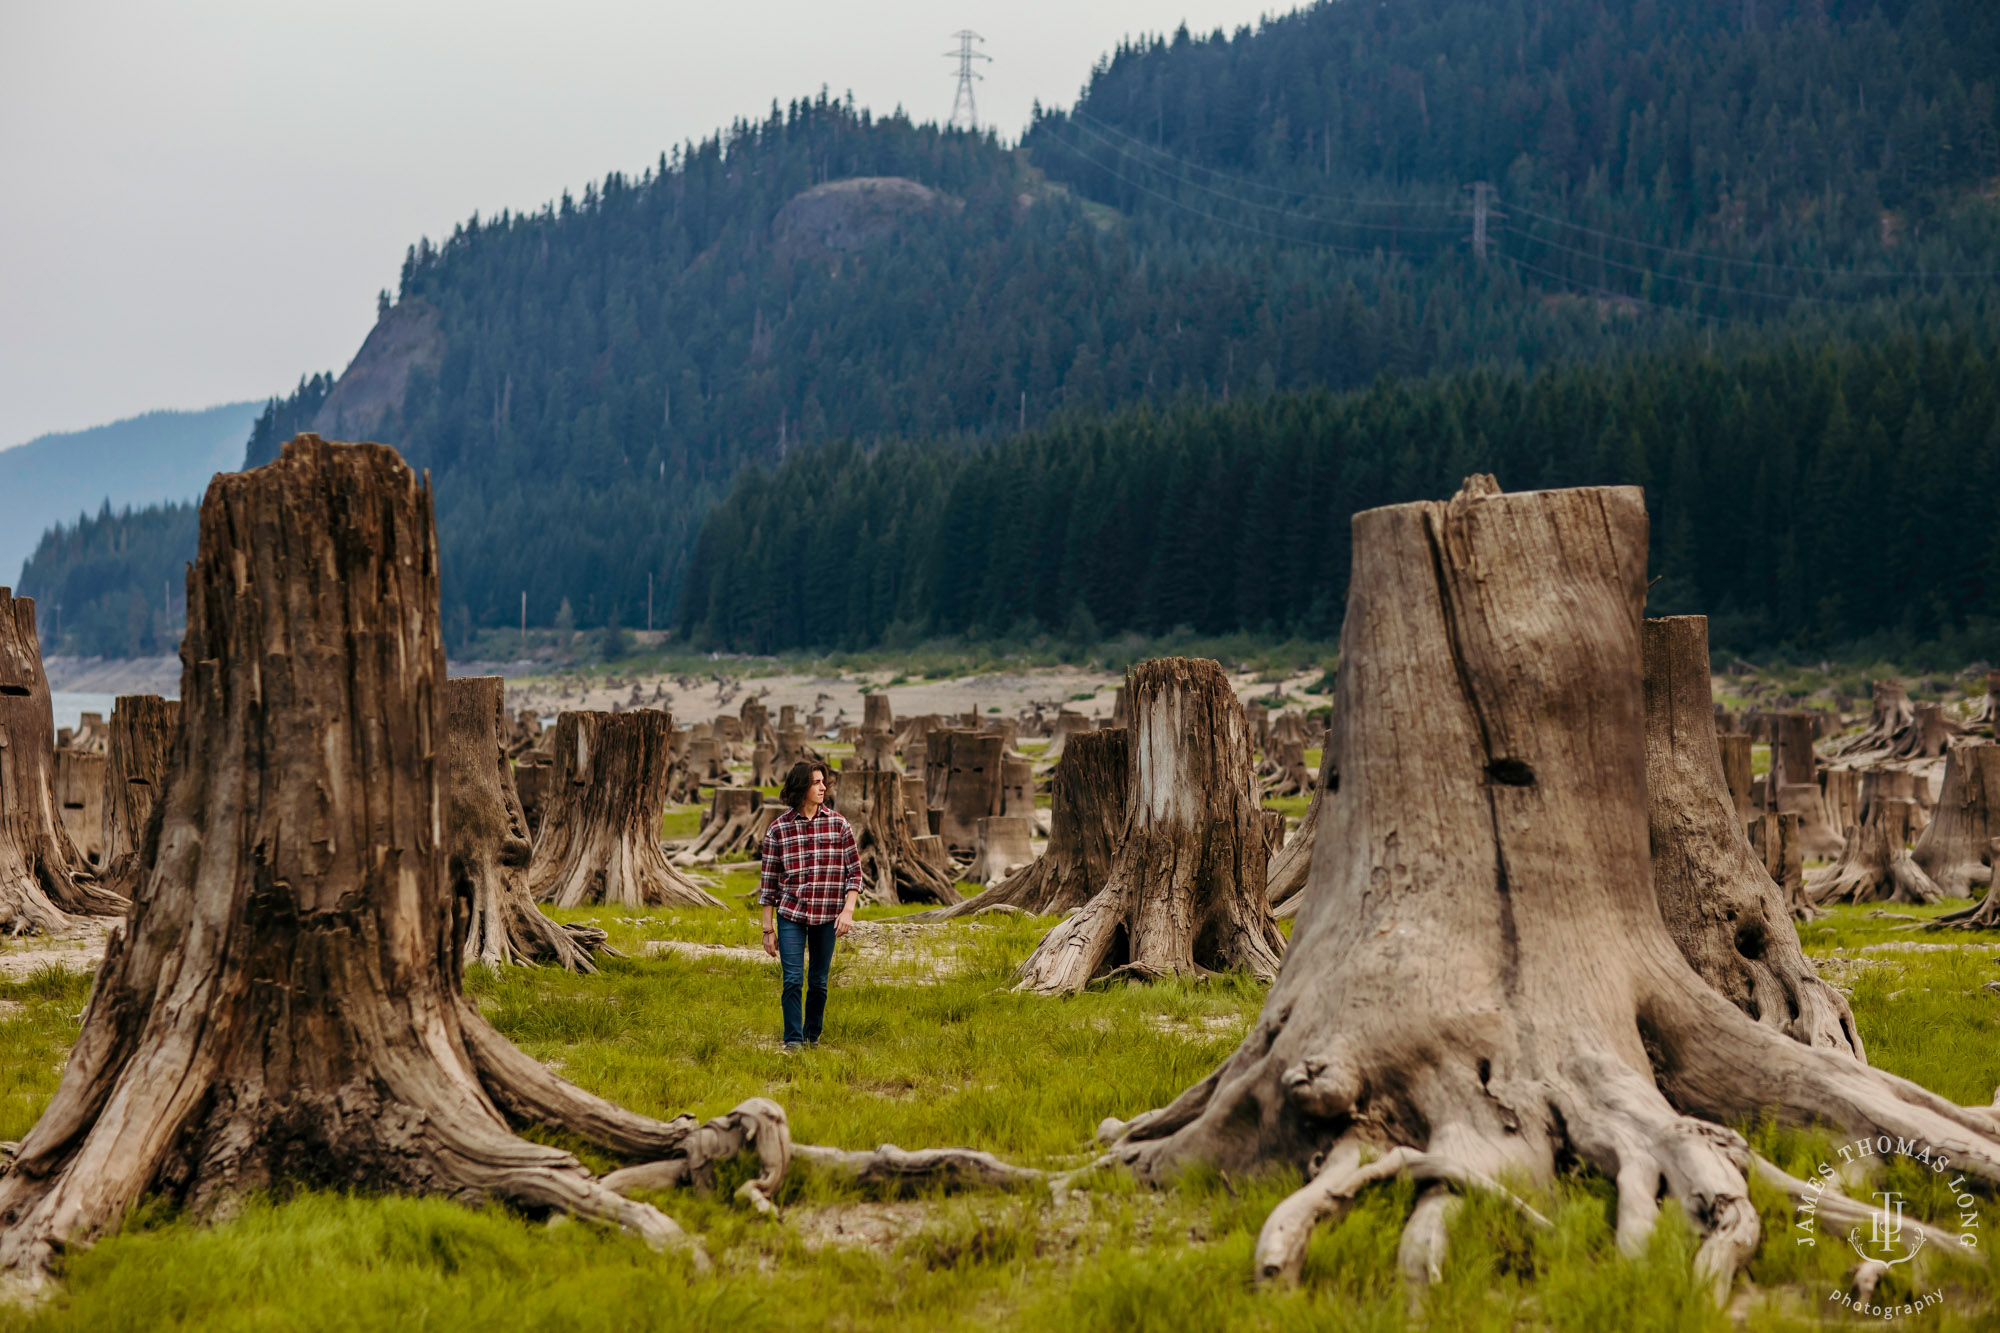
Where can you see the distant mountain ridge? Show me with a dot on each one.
(156, 456)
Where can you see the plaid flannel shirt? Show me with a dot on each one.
(809, 866)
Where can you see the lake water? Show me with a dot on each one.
(71, 705)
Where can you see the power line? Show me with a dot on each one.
(1595, 290)
(1081, 115)
(1217, 218)
(1691, 282)
(1907, 274)
(965, 55)
(1251, 203)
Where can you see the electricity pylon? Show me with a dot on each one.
(965, 55)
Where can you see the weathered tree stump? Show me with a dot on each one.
(1889, 717)
(1956, 847)
(1732, 920)
(285, 1007)
(1793, 783)
(525, 734)
(892, 869)
(600, 834)
(876, 750)
(910, 742)
(1292, 864)
(533, 772)
(1289, 775)
(1775, 839)
(755, 720)
(1736, 764)
(80, 786)
(1840, 796)
(1003, 849)
(1185, 892)
(143, 730)
(876, 716)
(1875, 865)
(42, 874)
(1068, 723)
(1928, 735)
(486, 842)
(1017, 788)
(1086, 824)
(1480, 983)
(972, 787)
(704, 761)
(1987, 713)
(764, 765)
(731, 814)
(937, 765)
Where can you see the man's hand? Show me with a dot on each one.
(771, 940)
(844, 922)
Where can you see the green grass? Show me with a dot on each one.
(925, 1045)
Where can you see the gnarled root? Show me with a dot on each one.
(758, 1123)
(952, 1168)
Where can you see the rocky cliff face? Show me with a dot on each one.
(367, 401)
(848, 215)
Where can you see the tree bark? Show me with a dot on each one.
(486, 842)
(1068, 723)
(143, 730)
(1793, 783)
(42, 875)
(1775, 839)
(1185, 892)
(1928, 735)
(600, 837)
(1732, 921)
(1289, 775)
(892, 869)
(1956, 847)
(1480, 982)
(732, 814)
(1292, 864)
(285, 1007)
(972, 785)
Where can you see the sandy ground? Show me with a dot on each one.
(839, 697)
(111, 675)
(79, 949)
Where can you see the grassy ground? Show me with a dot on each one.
(925, 1045)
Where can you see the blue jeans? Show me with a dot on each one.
(793, 939)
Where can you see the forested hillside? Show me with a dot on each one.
(1237, 216)
(1803, 496)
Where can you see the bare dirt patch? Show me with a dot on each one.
(79, 949)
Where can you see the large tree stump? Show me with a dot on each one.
(1875, 865)
(1003, 849)
(1775, 839)
(142, 734)
(1840, 796)
(80, 782)
(600, 835)
(1480, 983)
(1287, 772)
(42, 874)
(1732, 920)
(284, 1007)
(1086, 823)
(1987, 712)
(1889, 718)
(1928, 735)
(972, 787)
(893, 868)
(876, 717)
(877, 750)
(731, 815)
(1792, 785)
(486, 843)
(1956, 847)
(1185, 892)
(1068, 723)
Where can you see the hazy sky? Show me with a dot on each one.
(202, 198)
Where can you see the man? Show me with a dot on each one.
(811, 886)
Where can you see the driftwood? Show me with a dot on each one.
(1956, 847)
(285, 1007)
(1185, 892)
(42, 874)
(1480, 985)
(143, 730)
(1731, 919)
(486, 842)
(600, 834)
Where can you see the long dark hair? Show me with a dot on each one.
(800, 780)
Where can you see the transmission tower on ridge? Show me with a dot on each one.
(965, 55)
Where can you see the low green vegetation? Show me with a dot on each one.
(925, 1046)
